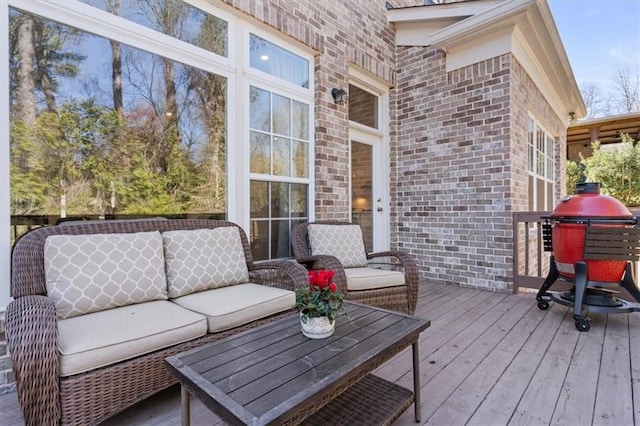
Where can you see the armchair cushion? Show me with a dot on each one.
(90, 273)
(202, 259)
(240, 304)
(344, 242)
(370, 278)
(102, 338)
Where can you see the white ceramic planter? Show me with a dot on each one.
(317, 327)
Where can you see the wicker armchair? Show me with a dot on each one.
(87, 398)
(352, 281)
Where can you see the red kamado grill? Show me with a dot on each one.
(593, 239)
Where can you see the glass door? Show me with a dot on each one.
(362, 189)
(369, 177)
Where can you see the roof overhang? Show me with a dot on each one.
(474, 31)
(606, 129)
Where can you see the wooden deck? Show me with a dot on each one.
(487, 359)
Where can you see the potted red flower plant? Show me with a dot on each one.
(320, 304)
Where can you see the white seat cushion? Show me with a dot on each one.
(228, 307)
(341, 241)
(102, 338)
(370, 278)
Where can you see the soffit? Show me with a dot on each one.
(485, 29)
(607, 129)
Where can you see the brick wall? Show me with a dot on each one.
(462, 164)
(454, 200)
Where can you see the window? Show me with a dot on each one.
(278, 62)
(100, 127)
(541, 168)
(279, 166)
(174, 18)
(137, 108)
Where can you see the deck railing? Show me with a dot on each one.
(21, 224)
(530, 261)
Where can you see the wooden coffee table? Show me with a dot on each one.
(274, 375)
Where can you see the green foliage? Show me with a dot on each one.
(618, 169)
(574, 174)
(322, 297)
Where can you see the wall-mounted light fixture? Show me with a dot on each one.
(339, 96)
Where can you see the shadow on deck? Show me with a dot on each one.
(487, 359)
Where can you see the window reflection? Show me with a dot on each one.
(278, 62)
(271, 153)
(99, 127)
(172, 17)
(276, 207)
(363, 107)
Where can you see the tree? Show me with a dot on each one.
(626, 83)
(596, 102)
(617, 168)
(113, 6)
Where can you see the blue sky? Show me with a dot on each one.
(597, 36)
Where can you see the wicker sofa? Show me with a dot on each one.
(82, 354)
(386, 279)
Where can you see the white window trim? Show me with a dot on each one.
(367, 134)
(256, 78)
(549, 156)
(5, 185)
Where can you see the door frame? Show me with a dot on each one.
(378, 139)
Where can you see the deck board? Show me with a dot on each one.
(487, 359)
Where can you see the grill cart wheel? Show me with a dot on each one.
(582, 324)
(543, 305)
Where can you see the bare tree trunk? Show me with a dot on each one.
(116, 64)
(26, 98)
(44, 79)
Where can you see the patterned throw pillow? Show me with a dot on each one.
(342, 241)
(204, 258)
(90, 273)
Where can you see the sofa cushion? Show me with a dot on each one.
(342, 241)
(102, 338)
(370, 278)
(90, 273)
(202, 259)
(230, 307)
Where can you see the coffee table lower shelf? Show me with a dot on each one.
(371, 401)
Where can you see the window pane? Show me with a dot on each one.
(260, 158)
(142, 134)
(298, 200)
(300, 120)
(280, 242)
(271, 227)
(172, 17)
(279, 199)
(259, 199)
(281, 156)
(259, 236)
(279, 62)
(363, 107)
(531, 194)
(281, 115)
(300, 159)
(540, 205)
(549, 199)
(259, 109)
